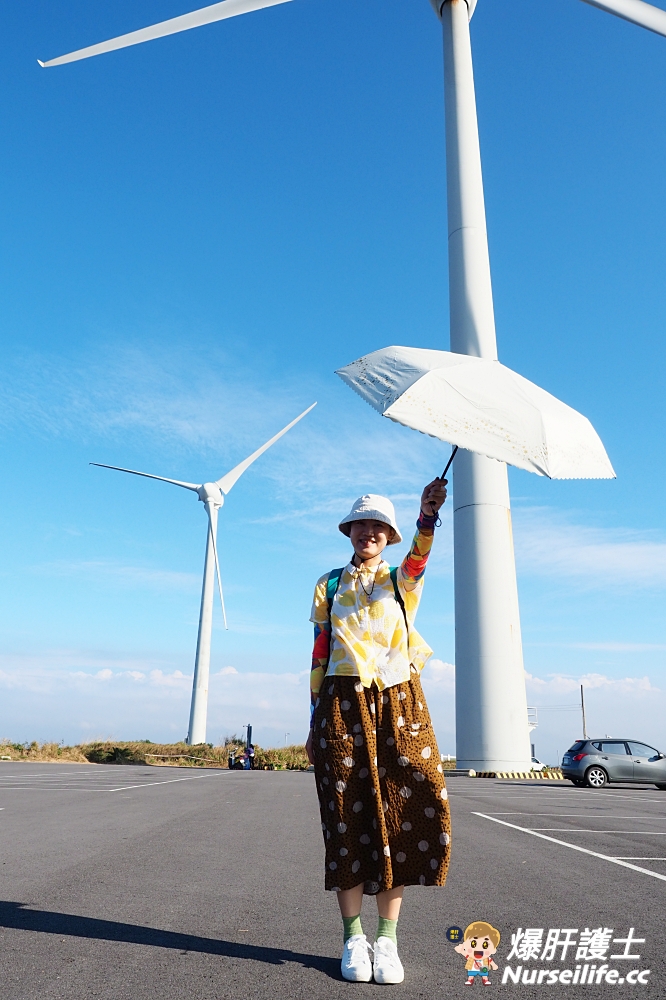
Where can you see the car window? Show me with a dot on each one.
(578, 745)
(613, 746)
(597, 745)
(642, 750)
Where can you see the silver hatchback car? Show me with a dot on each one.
(594, 763)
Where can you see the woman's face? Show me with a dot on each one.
(369, 538)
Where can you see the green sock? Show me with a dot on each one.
(351, 925)
(388, 928)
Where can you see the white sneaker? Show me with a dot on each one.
(387, 967)
(356, 966)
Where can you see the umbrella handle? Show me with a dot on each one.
(448, 464)
(443, 476)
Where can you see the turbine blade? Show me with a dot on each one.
(227, 481)
(636, 11)
(206, 15)
(148, 475)
(217, 566)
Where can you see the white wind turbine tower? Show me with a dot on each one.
(491, 706)
(212, 496)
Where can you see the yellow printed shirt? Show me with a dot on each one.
(368, 637)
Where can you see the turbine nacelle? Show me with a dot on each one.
(438, 4)
(211, 493)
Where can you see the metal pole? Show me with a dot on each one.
(582, 708)
(491, 704)
(199, 707)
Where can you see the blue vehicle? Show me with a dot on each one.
(595, 763)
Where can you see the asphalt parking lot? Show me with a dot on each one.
(133, 882)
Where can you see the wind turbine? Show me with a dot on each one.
(491, 705)
(212, 496)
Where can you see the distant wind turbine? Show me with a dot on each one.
(491, 705)
(212, 496)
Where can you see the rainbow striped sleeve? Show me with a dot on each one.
(414, 564)
(322, 635)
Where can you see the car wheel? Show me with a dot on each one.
(660, 785)
(596, 777)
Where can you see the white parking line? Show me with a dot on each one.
(98, 775)
(612, 796)
(39, 774)
(586, 815)
(573, 829)
(601, 796)
(121, 788)
(170, 781)
(95, 773)
(574, 847)
(73, 779)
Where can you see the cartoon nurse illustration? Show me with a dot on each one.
(481, 941)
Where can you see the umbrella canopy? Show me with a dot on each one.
(481, 406)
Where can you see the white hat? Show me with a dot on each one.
(372, 508)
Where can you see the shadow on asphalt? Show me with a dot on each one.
(15, 916)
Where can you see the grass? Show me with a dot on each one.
(290, 758)
(45, 752)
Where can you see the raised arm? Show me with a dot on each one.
(414, 564)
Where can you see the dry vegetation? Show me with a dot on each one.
(291, 758)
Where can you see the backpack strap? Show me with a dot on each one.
(398, 596)
(332, 585)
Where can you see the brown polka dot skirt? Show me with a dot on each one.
(380, 782)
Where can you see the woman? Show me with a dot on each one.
(382, 795)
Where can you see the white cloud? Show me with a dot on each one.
(439, 674)
(549, 545)
(630, 707)
(177, 679)
(556, 684)
(438, 680)
(127, 576)
(61, 695)
(182, 403)
(619, 647)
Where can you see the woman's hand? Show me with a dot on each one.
(308, 748)
(433, 497)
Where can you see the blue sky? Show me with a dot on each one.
(198, 231)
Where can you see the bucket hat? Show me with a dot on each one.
(372, 507)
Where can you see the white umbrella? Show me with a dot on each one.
(481, 406)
